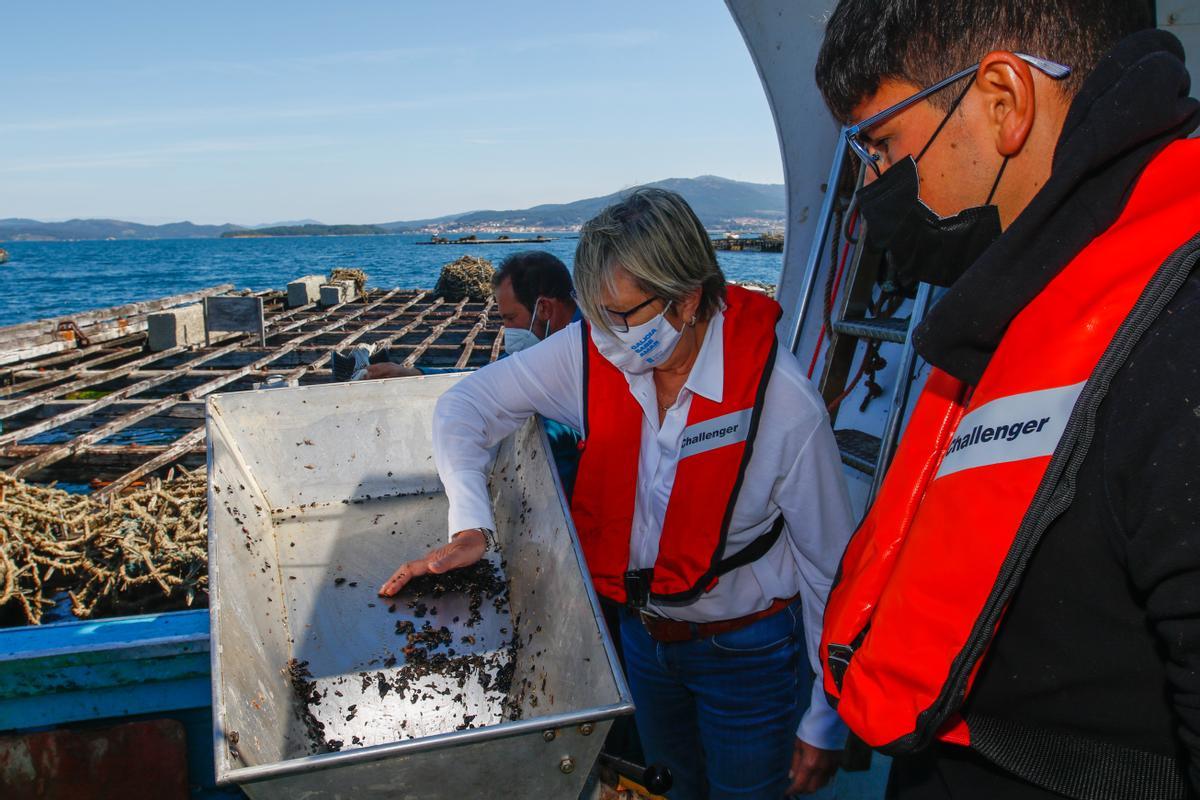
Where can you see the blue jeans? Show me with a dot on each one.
(721, 712)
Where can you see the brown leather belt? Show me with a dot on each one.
(669, 631)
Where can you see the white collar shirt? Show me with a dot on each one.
(795, 471)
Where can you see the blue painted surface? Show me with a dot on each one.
(74, 671)
(102, 672)
(76, 634)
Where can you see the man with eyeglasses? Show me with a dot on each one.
(1019, 614)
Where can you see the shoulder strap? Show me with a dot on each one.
(585, 335)
(753, 551)
(759, 547)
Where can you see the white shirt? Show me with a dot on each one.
(795, 470)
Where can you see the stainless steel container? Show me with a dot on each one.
(316, 494)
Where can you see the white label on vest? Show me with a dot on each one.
(1012, 428)
(716, 432)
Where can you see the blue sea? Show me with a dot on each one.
(47, 279)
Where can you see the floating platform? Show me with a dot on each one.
(764, 244)
(499, 240)
(83, 400)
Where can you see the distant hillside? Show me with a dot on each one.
(16, 230)
(719, 202)
(307, 230)
(287, 223)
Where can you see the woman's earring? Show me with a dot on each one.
(692, 321)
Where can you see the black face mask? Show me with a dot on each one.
(921, 245)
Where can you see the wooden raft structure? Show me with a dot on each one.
(83, 400)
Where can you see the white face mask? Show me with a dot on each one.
(518, 339)
(642, 347)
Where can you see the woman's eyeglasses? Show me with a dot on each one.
(619, 320)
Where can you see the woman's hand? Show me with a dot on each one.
(465, 548)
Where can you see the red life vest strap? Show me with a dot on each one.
(638, 581)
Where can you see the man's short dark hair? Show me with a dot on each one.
(534, 274)
(923, 41)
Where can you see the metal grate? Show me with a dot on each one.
(859, 449)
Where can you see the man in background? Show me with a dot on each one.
(533, 297)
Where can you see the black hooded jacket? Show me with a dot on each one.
(1101, 643)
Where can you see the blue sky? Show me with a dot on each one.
(254, 112)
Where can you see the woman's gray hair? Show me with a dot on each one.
(654, 235)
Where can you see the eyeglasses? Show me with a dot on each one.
(619, 320)
(854, 133)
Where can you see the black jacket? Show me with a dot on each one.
(1101, 643)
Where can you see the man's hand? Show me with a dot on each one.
(465, 548)
(812, 768)
(386, 369)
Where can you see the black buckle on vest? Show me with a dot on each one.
(637, 588)
(838, 661)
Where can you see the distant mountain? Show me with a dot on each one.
(720, 203)
(16, 230)
(288, 223)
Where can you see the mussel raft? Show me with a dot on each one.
(85, 402)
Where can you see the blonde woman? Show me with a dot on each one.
(709, 498)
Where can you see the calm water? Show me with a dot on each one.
(46, 279)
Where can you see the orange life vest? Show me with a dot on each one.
(716, 447)
(983, 471)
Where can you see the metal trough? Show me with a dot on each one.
(315, 495)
